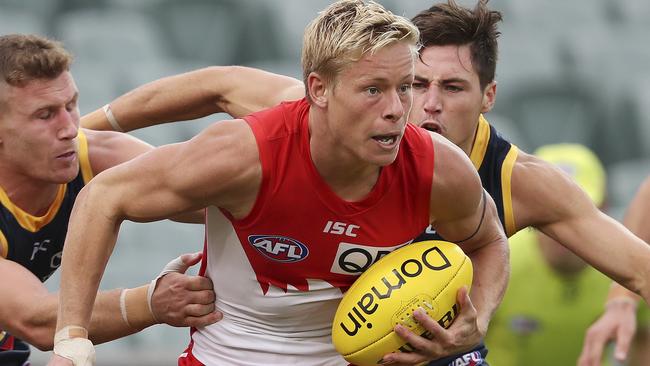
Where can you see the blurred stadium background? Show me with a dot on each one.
(569, 71)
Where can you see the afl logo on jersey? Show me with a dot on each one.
(279, 248)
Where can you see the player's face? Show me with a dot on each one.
(370, 102)
(447, 96)
(38, 129)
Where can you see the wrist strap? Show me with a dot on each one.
(111, 118)
(135, 307)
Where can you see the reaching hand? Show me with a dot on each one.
(618, 323)
(181, 300)
(74, 351)
(463, 335)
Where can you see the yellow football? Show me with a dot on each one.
(423, 275)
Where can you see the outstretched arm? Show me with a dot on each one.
(235, 90)
(549, 200)
(167, 181)
(29, 310)
(618, 322)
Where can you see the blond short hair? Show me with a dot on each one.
(348, 29)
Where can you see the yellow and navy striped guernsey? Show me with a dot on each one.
(34, 242)
(493, 157)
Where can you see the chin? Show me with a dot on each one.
(65, 176)
(383, 159)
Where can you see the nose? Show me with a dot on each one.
(396, 107)
(432, 100)
(69, 124)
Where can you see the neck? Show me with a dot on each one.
(349, 177)
(30, 195)
(468, 144)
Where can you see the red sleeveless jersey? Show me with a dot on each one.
(280, 272)
(300, 229)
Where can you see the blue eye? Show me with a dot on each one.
(405, 88)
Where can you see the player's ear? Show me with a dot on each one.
(317, 89)
(489, 96)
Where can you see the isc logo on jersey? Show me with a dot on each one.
(279, 248)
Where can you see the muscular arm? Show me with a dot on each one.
(637, 219)
(28, 310)
(618, 322)
(164, 182)
(460, 215)
(107, 149)
(235, 90)
(548, 199)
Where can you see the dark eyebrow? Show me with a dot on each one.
(455, 80)
(421, 79)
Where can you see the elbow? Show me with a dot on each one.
(39, 335)
(42, 342)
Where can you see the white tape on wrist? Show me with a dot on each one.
(135, 307)
(69, 332)
(175, 265)
(78, 350)
(71, 342)
(111, 118)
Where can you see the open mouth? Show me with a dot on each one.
(433, 127)
(386, 140)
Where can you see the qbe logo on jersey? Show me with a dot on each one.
(279, 248)
(353, 259)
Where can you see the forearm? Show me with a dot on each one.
(235, 90)
(90, 240)
(112, 318)
(612, 249)
(106, 324)
(636, 221)
(176, 98)
(490, 280)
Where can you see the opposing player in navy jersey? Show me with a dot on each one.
(45, 160)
